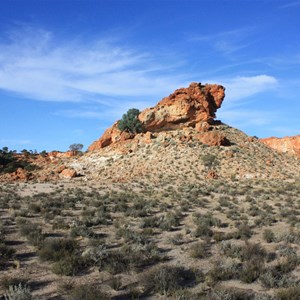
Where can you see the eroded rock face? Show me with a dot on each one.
(287, 144)
(186, 107)
(20, 175)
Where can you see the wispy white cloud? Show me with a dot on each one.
(247, 117)
(226, 42)
(290, 4)
(79, 114)
(35, 65)
(242, 87)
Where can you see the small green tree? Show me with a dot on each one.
(130, 121)
(76, 147)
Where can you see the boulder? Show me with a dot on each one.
(68, 173)
(213, 138)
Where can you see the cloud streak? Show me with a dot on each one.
(290, 4)
(33, 64)
(243, 87)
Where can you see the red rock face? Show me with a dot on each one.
(287, 144)
(21, 175)
(186, 107)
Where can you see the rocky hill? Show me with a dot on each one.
(180, 141)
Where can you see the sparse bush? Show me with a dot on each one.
(55, 249)
(69, 266)
(166, 280)
(292, 293)
(269, 236)
(6, 253)
(32, 231)
(199, 250)
(223, 270)
(222, 293)
(18, 292)
(88, 292)
(8, 281)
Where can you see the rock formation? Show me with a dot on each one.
(290, 145)
(194, 106)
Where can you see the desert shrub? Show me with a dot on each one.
(177, 239)
(18, 292)
(244, 231)
(34, 207)
(88, 292)
(54, 249)
(151, 222)
(169, 221)
(63, 252)
(114, 262)
(268, 235)
(271, 278)
(209, 160)
(32, 231)
(291, 293)
(82, 231)
(220, 236)
(8, 281)
(131, 236)
(6, 252)
(225, 293)
(252, 252)
(69, 266)
(223, 270)
(251, 271)
(288, 264)
(129, 257)
(96, 217)
(166, 280)
(130, 121)
(199, 250)
(204, 223)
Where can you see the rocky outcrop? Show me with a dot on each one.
(20, 175)
(194, 106)
(57, 154)
(290, 145)
(184, 108)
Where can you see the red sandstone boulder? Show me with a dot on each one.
(68, 173)
(184, 108)
(59, 169)
(213, 138)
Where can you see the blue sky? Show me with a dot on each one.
(69, 69)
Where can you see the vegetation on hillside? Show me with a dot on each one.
(10, 161)
(130, 121)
